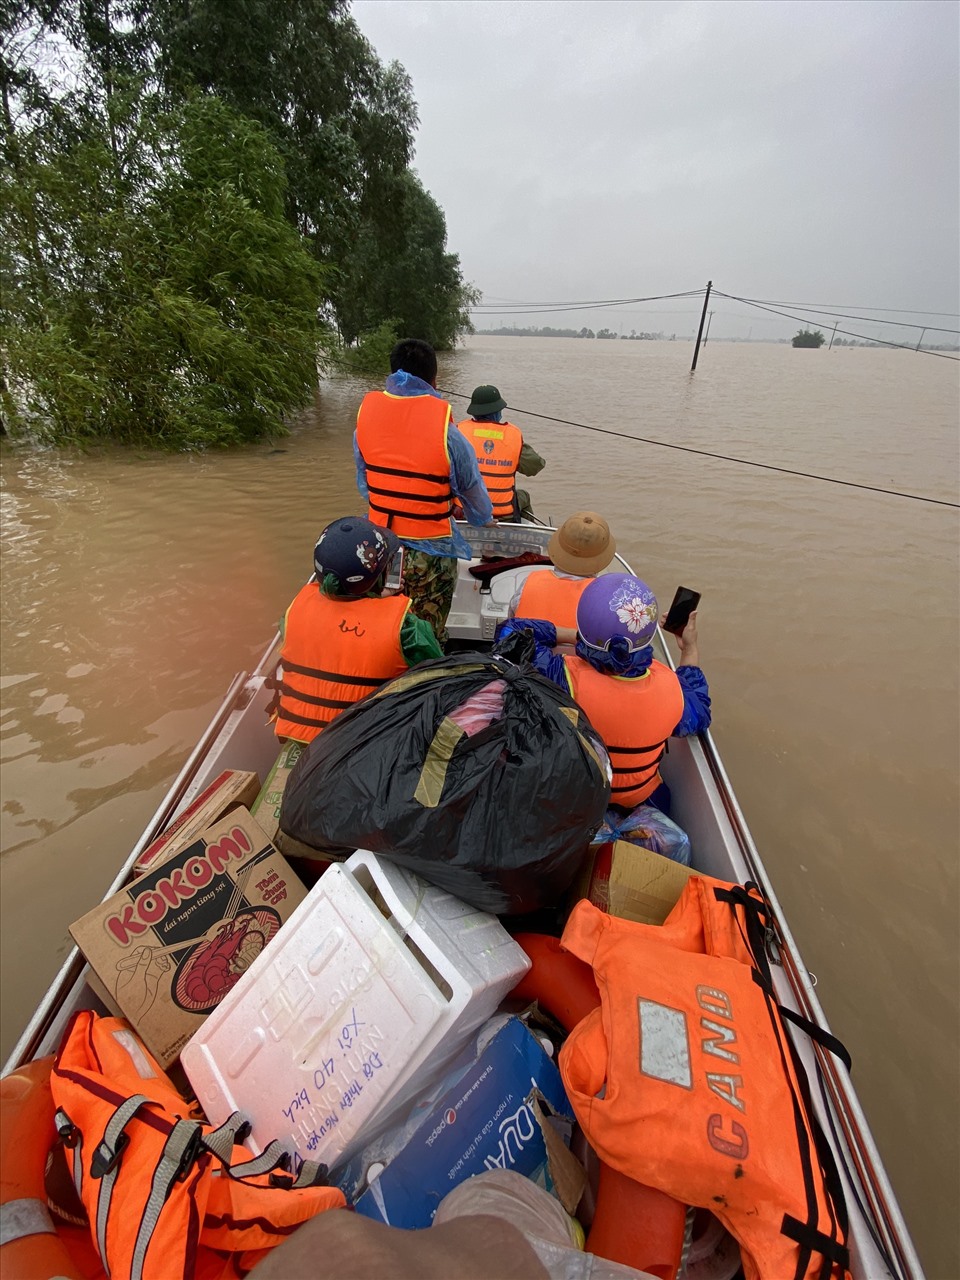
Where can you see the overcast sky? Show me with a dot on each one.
(803, 152)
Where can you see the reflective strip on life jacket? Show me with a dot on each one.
(684, 1079)
(497, 446)
(30, 1244)
(335, 653)
(545, 594)
(634, 717)
(403, 443)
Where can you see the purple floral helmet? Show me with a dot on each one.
(617, 604)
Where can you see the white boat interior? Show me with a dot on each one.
(241, 737)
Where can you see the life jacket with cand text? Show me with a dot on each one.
(335, 653)
(497, 446)
(403, 443)
(634, 716)
(161, 1189)
(687, 1079)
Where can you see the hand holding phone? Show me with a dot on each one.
(678, 615)
(394, 578)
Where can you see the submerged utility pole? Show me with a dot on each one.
(706, 336)
(832, 336)
(703, 316)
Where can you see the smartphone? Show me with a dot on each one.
(678, 615)
(394, 579)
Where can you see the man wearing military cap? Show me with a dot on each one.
(501, 453)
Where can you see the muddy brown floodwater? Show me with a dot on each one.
(134, 586)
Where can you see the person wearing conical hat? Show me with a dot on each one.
(501, 452)
(581, 548)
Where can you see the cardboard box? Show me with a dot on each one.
(266, 810)
(234, 787)
(168, 947)
(504, 1109)
(632, 882)
(266, 807)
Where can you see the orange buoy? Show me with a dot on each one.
(637, 1225)
(30, 1247)
(560, 982)
(633, 1224)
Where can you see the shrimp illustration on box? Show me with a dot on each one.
(206, 973)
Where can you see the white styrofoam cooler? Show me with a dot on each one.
(374, 983)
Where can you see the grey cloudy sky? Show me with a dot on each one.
(795, 151)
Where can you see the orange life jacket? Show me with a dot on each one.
(335, 653)
(30, 1244)
(545, 595)
(159, 1187)
(403, 442)
(685, 1079)
(634, 717)
(497, 446)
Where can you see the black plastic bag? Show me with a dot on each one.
(500, 816)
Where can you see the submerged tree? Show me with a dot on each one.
(152, 289)
(808, 338)
(399, 267)
(186, 186)
(344, 124)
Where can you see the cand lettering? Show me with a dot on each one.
(718, 1040)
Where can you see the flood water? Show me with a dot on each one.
(134, 586)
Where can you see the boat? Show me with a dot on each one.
(240, 736)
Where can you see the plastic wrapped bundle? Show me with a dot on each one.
(472, 771)
(648, 827)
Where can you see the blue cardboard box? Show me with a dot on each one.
(506, 1109)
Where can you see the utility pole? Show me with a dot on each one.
(703, 316)
(920, 339)
(832, 336)
(706, 336)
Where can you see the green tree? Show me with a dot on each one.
(152, 288)
(399, 268)
(344, 124)
(123, 225)
(304, 70)
(808, 338)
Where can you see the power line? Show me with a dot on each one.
(864, 337)
(591, 302)
(817, 306)
(848, 311)
(723, 457)
(546, 309)
(843, 315)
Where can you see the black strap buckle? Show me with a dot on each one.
(771, 945)
(106, 1160)
(68, 1132)
(189, 1157)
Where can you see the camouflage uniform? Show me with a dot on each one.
(429, 581)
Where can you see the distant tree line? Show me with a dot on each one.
(198, 198)
(532, 331)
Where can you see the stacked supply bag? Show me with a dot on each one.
(475, 773)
